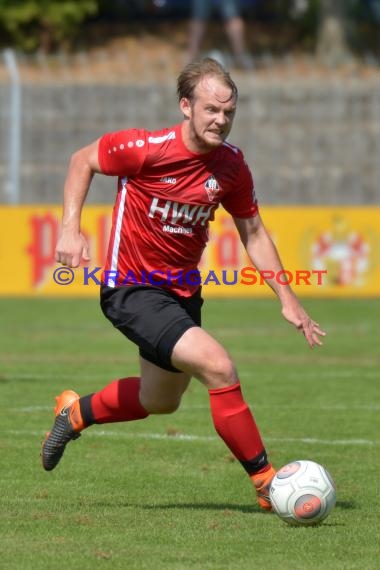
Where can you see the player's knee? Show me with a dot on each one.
(220, 372)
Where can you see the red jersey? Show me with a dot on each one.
(166, 198)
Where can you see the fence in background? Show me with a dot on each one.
(309, 139)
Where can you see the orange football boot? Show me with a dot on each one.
(67, 426)
(261, 482)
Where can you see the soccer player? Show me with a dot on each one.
(170, 182)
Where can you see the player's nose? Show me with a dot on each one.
(221, 119)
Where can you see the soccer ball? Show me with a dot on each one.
(302, 493)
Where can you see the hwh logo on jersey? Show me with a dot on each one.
(173, 212)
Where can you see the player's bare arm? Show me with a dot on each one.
(264, 256)
(72, 246)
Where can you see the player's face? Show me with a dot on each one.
(209, 116)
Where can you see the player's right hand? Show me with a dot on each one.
(72, 249)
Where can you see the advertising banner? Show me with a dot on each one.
(326, 252)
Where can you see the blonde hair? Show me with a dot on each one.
(195, 71)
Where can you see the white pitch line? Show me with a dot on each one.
(318, 441)
(205, 438)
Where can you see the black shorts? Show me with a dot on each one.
(151, 317)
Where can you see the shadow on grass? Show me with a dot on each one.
(225, 507)
(345, 505)
(207, 506)
(248, 509)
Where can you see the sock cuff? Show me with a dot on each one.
(232, 388)
(86, 410)
(258, 464)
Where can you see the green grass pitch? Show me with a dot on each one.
(165, 493)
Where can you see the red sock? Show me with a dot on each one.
(234, 423)
(118, 402)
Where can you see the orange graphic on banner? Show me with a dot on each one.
(44, 234)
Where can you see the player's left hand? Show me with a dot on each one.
(297, 316)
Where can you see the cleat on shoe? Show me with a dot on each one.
(261, 482)
(67, 426)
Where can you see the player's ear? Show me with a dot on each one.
(185, 107)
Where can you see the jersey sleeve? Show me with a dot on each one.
(241, 201)
(122, 153)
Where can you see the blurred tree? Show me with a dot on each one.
(44, 24)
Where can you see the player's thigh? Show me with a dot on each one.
(201, 355)
(152, 318)
(161, 390)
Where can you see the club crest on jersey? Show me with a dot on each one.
(211, 187)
